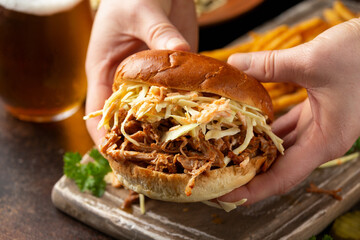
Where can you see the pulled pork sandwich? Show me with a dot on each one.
(184, 127)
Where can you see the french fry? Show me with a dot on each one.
(343, 11)
(309, 24)
(332, 17)
(254, 35)
(312, 33)
(243, 47)
(289, 100)
(224, 53)
(280, 40)
(292, 42)
(292, 35)
(312, 26)
(270, 85)
(267, 37)
(282, 89)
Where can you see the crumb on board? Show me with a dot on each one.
(130, 199)
(216, 219)
(185, 209)
(333, 193)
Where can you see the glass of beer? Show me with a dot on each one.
(43, 47)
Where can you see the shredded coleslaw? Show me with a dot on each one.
(214, 116)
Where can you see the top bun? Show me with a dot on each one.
(193, 72)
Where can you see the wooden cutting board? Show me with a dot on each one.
(295, 215)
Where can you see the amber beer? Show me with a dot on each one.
(43, 45)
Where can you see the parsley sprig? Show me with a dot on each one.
(325, 237)
(89, 176)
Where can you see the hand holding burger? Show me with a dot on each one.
(320, 129)
(184, 127)
(323, 127)
(122, 28)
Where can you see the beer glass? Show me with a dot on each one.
(43, 46)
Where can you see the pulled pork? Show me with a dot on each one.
(185, 154)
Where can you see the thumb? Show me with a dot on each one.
(159, 33)
(273, 66)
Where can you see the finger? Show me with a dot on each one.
(156, 30)
(290, 139)
(284, 174)
(285, 126)
(287, 123)
(287, 65)
(107, 46)
(96, 96)
(96, 135)
(186, 21)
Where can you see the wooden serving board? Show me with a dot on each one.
(295, 215)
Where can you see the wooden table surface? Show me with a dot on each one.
(31, 154)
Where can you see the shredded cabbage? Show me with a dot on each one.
(227, 160)
(122, 129)
(216, 134)
(178, 131)
(215, 117)
(248, 137)
(341, 160)
(142, 203)
(227, 206)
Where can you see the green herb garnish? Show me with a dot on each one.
(89, 176)
(325, 237)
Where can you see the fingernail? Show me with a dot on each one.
(242, 61)
(177, 44)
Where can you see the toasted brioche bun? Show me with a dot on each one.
(170, 187)
(193, 72)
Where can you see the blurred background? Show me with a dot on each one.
(256, 13)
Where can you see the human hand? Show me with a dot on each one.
(122, 28)
(325, 125)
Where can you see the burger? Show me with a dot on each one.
(183, 127)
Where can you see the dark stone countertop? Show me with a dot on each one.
(31, 163)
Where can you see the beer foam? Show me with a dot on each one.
(39, 7)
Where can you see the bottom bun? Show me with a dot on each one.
(171, 187)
